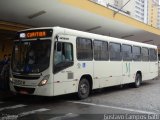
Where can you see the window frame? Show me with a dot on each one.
(130, 59)
(153, 60)
(90, 59)
(107, 52)
(112, 51)
(142, 56)
(65, 66)
(139, 54)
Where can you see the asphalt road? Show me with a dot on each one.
(105, 104)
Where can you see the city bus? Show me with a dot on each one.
(53, 61)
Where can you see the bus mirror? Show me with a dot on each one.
(57, 37)
(58, 46)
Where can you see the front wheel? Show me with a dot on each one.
(138, 81)
(83, 89)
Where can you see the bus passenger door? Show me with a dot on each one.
(63, 67)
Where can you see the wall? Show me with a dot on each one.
(5, 47)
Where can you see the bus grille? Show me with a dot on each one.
(26, 77)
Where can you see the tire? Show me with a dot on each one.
(138, 80)
(83, 89)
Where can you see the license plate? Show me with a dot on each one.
(19, 82)
(23, 92)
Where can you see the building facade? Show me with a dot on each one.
(153, 13)
(158, 18)
(146, 11)
(134, 8)
(101, 2)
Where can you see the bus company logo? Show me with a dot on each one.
(64, 38)
(84, 65)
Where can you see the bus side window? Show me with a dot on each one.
(152, 54)
(115, 51)
(68, 54)
(58, 56)
(63, 55)
(136, 53)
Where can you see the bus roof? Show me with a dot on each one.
(94, 36)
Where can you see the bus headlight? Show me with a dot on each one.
(11, 79)
(44, 80)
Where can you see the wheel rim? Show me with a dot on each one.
(138, 81)
(83, 89)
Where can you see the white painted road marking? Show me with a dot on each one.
(15, 117)
(9, 117)
(68, 115)
(12, 107)
(32, 112)
(113, 107)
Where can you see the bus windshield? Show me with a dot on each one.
(31, 56)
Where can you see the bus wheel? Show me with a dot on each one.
(138, 80)
(83, 89)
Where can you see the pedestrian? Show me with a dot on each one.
(4, 73)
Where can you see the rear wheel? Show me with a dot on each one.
(83, 89)
(138, 81)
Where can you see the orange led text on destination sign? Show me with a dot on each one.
(36, 34)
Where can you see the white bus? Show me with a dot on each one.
(55, 61)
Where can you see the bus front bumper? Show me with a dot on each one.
(46, 90)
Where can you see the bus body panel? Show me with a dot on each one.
(153, 68)
(107, 75)
(144, 67)
(127, 72)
